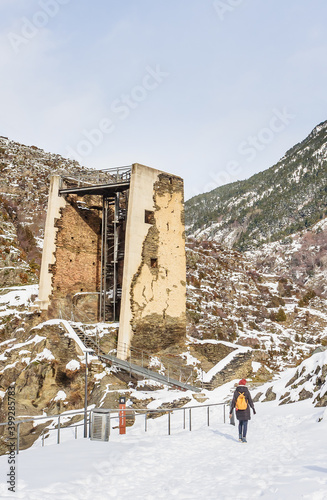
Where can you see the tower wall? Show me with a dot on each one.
(76, 271)
(70, 269)
(153, 309)
(55, 203)
(152, 263)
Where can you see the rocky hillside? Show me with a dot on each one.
(239, 298)
(250, 298)
(307, 381)
(250, 314)
(271, 205)
(24, 187)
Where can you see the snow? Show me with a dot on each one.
(35, 340)
(16, 296)
(207, 376)
(256, 366)
(223, 363)
(285, 458)
(73, 365)
(61, 396)
(46, 354)
(70, 331)
(294, 380)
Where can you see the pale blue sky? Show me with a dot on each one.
(211, 90)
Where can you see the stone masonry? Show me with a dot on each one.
(76, 272)
(151, 265)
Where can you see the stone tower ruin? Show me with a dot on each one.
(114, 251)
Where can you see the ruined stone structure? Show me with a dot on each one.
(115, 251)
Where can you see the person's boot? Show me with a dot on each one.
(240, 438)
(244, 440)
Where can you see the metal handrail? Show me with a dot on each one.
(166, 360)
(173, 370)
(44, 417)
(187, 371)
(177, 375)
(127, 169)
(114, 174)
(136, 412)
(112, 410)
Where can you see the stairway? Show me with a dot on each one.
(128, 367)
(113, 235)
(86, 339)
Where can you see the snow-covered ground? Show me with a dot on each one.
(285, 458)
(13, 297)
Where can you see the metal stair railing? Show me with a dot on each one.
(147, 360)
(108, 175)
(145, 372)
(139, 356)
(132, 367)
(87, 340)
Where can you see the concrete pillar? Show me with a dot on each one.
(140, 199)
(55, 203)
(153, 306)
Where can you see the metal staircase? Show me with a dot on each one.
(112, 252)
(127, 366)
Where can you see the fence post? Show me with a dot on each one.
(58, 437)
(183, 418)
(208, 420)
(169, 423)
(145, 422)
(224, 414)
(43, 438)
(76, 432)
(190, 419)
(17, 444)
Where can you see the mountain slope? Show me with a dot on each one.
(24, 185)
(253, 299)
(288, 197)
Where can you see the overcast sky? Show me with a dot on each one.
(211, 90)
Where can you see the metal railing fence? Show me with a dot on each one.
(115, 415)
(107, 175)
(172, 369)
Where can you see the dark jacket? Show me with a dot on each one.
(242, 414)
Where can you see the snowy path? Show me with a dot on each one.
(285, 458)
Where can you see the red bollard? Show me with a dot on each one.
(122, 415)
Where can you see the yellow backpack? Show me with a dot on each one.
(241, 403)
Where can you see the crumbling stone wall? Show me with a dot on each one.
(158, 289)
(77, 269)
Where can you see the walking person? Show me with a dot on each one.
(242, 402)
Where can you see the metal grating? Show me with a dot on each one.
(100, 429)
